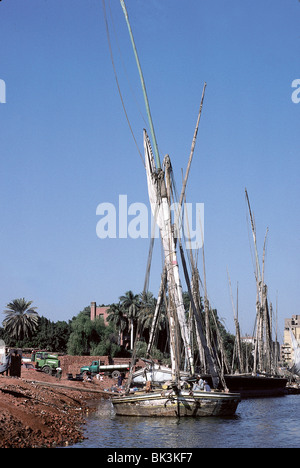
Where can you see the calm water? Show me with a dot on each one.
(261, 423)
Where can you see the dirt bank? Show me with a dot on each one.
(35, 413)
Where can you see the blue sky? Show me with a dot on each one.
(66, 146)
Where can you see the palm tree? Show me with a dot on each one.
(147, 311)
(131, 304)
(116, 315)
(148, 303)
(21, 319)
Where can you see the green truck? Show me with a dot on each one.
(45, 362)
(111, 370)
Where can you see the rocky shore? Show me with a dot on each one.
(37, 410)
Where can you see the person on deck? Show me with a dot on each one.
(199, 385)
(206, 387)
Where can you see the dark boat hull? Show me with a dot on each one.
(256, 386)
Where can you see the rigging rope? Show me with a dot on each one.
(117, 81)
(158, 166)
(124, 67)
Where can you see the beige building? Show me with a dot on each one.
(292, 324)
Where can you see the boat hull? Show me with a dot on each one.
(168, 404)
(253, 386)
(256, 386)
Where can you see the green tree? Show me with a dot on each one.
(91, 337)
(146, 316)
(82, 333)
(21, 319)
(52, 336)
(117, 317)
(131, 304)
(147, 309)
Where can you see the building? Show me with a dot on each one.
(248, 340)
(102, 311)
(99, 311)
(292, 324)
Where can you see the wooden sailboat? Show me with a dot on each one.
(176, 403)
(174, 399)
(264, 379)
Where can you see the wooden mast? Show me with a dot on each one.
(237, 344)
(263, 355)
(158, 165)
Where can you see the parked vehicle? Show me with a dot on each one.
(111, 370)
(45, 362)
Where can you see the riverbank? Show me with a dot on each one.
(37, 410)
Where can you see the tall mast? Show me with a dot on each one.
(263, 324)
(237, 344)
(157, 159)
(192, 149)
(258, 363)
(258, 274)
(159, 198)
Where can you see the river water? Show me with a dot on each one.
(258, 423)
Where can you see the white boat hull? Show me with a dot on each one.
(168, 404)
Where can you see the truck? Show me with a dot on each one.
(112, 370)
(45, 362)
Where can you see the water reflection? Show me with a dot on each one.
(270, 422)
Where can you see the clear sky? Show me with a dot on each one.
(66, 146)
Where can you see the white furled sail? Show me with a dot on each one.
(160, 205)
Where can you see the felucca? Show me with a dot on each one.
(176, 398)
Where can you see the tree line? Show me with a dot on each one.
(24, 328)
(129, 320)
